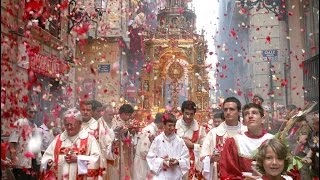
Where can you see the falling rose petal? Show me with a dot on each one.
(268, 39)
(25, 99)
(250, 94)
(301, 65)
(180, 10)
(69, 90)
(148, 68)
(168, 108)
(92, 69)
(284, 82)
(115, 66)
(64, 5)
(84, 28)
(233, 33)
(243, 11)
(66, 176)
(29, 155)
(224, 67)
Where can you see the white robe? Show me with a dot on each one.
(103, 136)
(209, 170)
(171, 147)
(185, 131)
(72, 170)
(123, 162)
(142, 149)
(47, 136)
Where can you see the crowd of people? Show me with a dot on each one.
(96, 141)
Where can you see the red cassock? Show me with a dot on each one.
(229, 164)
(238, 153)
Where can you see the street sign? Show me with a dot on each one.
(270, 55)
(104, 68)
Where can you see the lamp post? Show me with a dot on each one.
(77, 15)
(271, 94)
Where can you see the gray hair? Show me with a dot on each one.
(73, 112)
(108, 106)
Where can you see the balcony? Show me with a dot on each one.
(311, 79)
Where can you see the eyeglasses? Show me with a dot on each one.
(66, 125)
(32, 112)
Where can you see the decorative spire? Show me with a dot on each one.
(176, 3)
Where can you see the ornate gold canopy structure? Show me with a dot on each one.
(174, 70)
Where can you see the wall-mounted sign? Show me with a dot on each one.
(270, 55)
(48, 66)
(104, 68)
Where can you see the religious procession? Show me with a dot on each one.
(159, 90)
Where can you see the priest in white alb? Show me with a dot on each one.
(74, 154)
(97, 128)
(145, 138)
(215, 139)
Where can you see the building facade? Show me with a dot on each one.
(35, 55)
(274, 47)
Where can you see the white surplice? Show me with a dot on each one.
(210, 144)
(142, 149)
(185, 131)
(88, 163)
(104, 137)
(171, 147)
(47, 136)
(122, 164)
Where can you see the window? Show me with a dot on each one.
(47, 14)
(311, 24)
(54, 20)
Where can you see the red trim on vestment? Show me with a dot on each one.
(250, 135)
(193, 171)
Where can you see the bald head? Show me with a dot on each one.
(108, 112)
(72, 120)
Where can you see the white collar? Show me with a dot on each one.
(92, 124)
(194, 126)
(169, 138)
(82, 135)
(223, 127)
